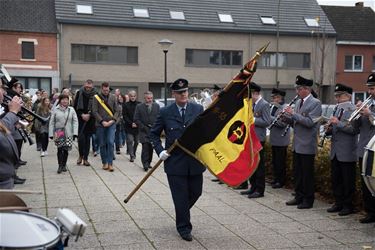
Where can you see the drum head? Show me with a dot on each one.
(27, 230)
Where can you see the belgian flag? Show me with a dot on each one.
(223, 137)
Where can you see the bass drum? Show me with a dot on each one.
(368, 166)
(21, 230)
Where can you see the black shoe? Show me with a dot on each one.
(334, 209)
(277, 185)
(21, 162)
(304, 205)
(367, 219)
(346, 211)
(215, 180)
(247, 192)
(187, 237)
(118, 152)
(255, 195)
(132, 158)
(18, 178)
(64, 169)
(19, 181)
(242, 186)
(293, 202)
(59, 170)
(274, 182)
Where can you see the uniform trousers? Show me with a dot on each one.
(146, 155)
(279, 154)
(303, 168)
(258, 179)
(185, 189)
(368, 199)
(343, 182)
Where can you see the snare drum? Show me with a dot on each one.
(368, 166)
(27, 230)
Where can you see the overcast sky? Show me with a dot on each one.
(369, 3)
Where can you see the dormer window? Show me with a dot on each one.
(225, 18)
(138, 12)
(84, 9)
(268, 20)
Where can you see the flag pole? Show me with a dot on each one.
(149, 173)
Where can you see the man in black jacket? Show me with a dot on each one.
(131, 127)
(86, 121)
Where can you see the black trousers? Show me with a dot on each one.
(62, 156)
(43, 140)
(185, 189)
(343, 182)
(84, 145)
(258, 179)
(368, 199)
(279, 154)
(19, 143)
(146, 155)
(303, 167)
(38, 141)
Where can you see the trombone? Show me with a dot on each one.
(357, 113)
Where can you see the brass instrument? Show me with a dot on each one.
(357, 113)
(278, 117)
(203, 98)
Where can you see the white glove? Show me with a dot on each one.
(164, 155)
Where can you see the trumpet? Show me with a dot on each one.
(278, 117)
(357, 113)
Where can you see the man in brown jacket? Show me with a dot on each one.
(104, 109)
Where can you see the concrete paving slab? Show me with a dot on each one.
(312, 239)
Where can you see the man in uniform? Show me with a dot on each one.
(144, 116)
(366, 132)
(262, 119)
(184, 172)
(343, 152)
(278, 140)
(307, 110)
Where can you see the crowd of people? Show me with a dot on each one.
(111, 121)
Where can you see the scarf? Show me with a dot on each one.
(84, 93)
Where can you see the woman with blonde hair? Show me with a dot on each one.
(63, 128)
(41, 130)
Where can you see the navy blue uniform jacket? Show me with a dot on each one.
(170, 120)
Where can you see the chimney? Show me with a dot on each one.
(359, 4)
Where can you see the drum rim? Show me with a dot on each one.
(48, 244)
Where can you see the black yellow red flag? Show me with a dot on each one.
(223, 137)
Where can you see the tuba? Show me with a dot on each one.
(203, 98)
(368, 169)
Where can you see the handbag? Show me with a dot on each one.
(59, 135)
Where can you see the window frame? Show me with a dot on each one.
(84, 9)
(311, 22)
(266, 20)
(373, 63)
(353, 63)
(23, 50)
(173, 14)
(136, 14)
(97, 49)
(284, 57)
(225, 17)
(211, 55)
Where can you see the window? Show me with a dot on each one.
(311, 22)
(28, 50)
(36, 83)
(286, 60)
(178, 15)
(268, 20)
(225, 18)
(140, 12)
(104, 54)
(84, 9)
(353, 63)
(197, 57)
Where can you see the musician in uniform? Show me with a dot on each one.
(343, 151)
(262, 119)
(184, 172)
(305, 129)
(366, 132)
(278, 140)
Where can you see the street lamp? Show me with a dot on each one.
(165, 44)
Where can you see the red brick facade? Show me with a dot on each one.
(45, 49)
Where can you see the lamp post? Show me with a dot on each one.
(165, 44)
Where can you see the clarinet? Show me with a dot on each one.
(329, 126)
(278, 117)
